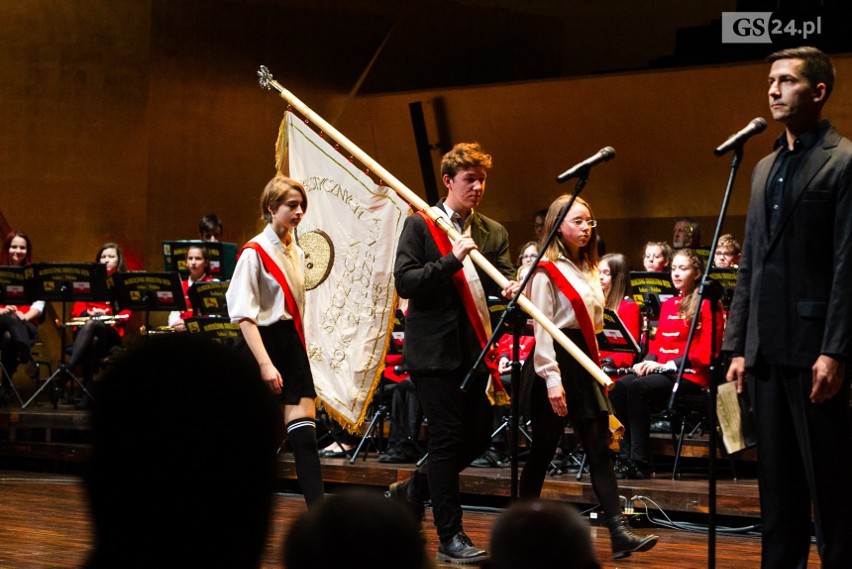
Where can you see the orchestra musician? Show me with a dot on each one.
(102, 330)
(566, 288)
(17, 322)
(652, 379)
(198, 265)
(727, 255)
(615, 284)
(657, 257)
(210, 228)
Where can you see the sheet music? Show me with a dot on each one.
(731, 420)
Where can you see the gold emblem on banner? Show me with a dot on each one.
(319, 257)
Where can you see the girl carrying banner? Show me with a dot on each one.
(566, 288)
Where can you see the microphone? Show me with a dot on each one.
(756, 126)
(604, 155)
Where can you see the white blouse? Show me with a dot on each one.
(254, 294)
(552, 303)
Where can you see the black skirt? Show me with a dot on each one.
(585, 397)
(289, 357)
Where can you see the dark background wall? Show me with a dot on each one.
(129, 120)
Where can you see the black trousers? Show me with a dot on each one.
(459, 431)
(804, 466)
(634, 398)
(590, 422)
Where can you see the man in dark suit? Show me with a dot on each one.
(790, 323)
(447, 317)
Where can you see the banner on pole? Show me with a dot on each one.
(349, 233)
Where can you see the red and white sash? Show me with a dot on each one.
(273, 269)
(477, 312)
(580, 310)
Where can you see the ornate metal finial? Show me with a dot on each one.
(264, 77)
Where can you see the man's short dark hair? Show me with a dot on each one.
(209, 224)
(816, 67)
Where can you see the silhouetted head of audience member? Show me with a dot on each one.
(356, 528)
(535, 533)
(184, 445)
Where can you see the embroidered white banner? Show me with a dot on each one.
(349, 233)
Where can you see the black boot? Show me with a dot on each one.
(402, 492)
(625, 541)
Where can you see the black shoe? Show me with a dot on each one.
(459, 549)
(633, 470)
(564, 463)
(640, 470)
(343, 452)
(333, 454)
(621, 468)
(397, 454)
(23, 351)
(661, 427)
(625, 541)
(490, 459)
(400, 491)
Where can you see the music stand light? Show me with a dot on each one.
(65, 282)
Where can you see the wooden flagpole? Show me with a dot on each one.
(267, 82)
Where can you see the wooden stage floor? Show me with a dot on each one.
(44, 523)
(44, 519)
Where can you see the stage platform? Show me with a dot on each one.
(41, 438)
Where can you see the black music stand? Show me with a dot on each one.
(217, 328)
(66, 282)
(223, 257)
(210, 312)
(727, 277)
(147, 292)
(15, 289)
(615, 336)
(207, 298)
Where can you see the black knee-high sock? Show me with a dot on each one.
(302, 435)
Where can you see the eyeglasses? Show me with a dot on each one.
(580, 222)
(529, 256)
(726, 254)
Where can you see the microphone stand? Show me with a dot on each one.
(518, 319)
(715, 366)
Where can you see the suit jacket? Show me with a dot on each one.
(793, 298)
(438, 334)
